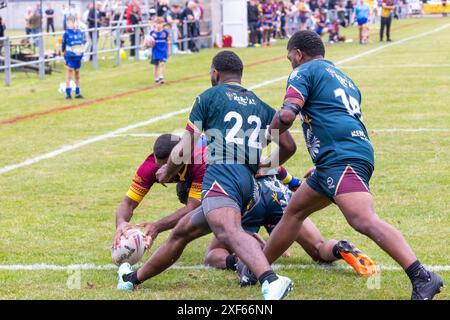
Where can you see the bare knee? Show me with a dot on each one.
(367, 226)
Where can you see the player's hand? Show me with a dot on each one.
(150, 232)
(309, 173)
(286, 254)
(162, 175)
(121, 231)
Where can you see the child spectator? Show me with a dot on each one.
(333, 32)
(362, 13)
(72, 48)
(160, 51)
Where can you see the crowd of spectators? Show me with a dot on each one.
(282, 18)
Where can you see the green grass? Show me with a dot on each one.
(61, 210)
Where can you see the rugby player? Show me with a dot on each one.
(328, 103)
(231, 118)
(267, 212)
(144, 179)
(72, 49)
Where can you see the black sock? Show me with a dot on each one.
(269, 275)
(132, 277)
(416, 271)
(336, 251)
(230, 262)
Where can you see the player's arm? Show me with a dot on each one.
(285, 117)
(169, 222)
(180, 155)
(124, 214)
(64, 43)
(287, 179)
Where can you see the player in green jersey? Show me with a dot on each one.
(234, 121)
(328, 103)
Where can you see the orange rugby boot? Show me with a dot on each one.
(363, 265)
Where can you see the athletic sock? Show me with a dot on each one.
(131, 277)
(336, 251)
(230, 262)
(269, 275)
(417, 272)
(77, 91)
(68, 91)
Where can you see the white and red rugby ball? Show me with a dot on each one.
(131, 248)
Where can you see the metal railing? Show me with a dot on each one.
(115, 33)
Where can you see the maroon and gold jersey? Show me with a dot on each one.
(193, 172)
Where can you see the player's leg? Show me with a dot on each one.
(187, 229)
(388, 28)
(304, 202)
(77, 84)
(359, 210)
(162, 70)
(226, 224)
(219, 256)
(155, 71)
(68, 80)
(319, 249)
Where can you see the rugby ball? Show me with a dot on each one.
(149, 41)
(131, 248)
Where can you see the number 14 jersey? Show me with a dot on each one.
(331, 116)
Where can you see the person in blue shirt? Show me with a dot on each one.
(328, 104)
(73, 47)
(160, 51)
(361, 15)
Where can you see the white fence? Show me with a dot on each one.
(112, 34)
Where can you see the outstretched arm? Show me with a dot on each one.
(124, 214)
(169, 222)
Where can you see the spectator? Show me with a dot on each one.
(292, 19)
(387, 6)
(163, 7)
(94, 19)
(64, 15)
(313, 5)
(268, 11)
(28, 19)
(333, 32)
(187, 16)
(173, 17)
(349, 12)
(253, 21)
(362, 13)
(2, 32)
(134, 20)
(282, 19)
(303, 10)
(49, 14)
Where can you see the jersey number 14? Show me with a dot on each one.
(350, 103)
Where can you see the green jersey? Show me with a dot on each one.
(234, 121)
(331, 116)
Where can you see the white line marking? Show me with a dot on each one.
(389, 66)
(91, 266)
(77, 145)
(111, 134)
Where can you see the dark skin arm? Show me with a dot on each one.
(180, 155)
(124, 214)
(169, 222)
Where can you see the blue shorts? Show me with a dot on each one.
(157, 61)
(342, 177)
(269, 209)
(235, 181)
(73, 63)
(362, 21)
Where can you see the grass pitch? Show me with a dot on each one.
(61, 211)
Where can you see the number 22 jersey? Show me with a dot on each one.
(331, 116)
